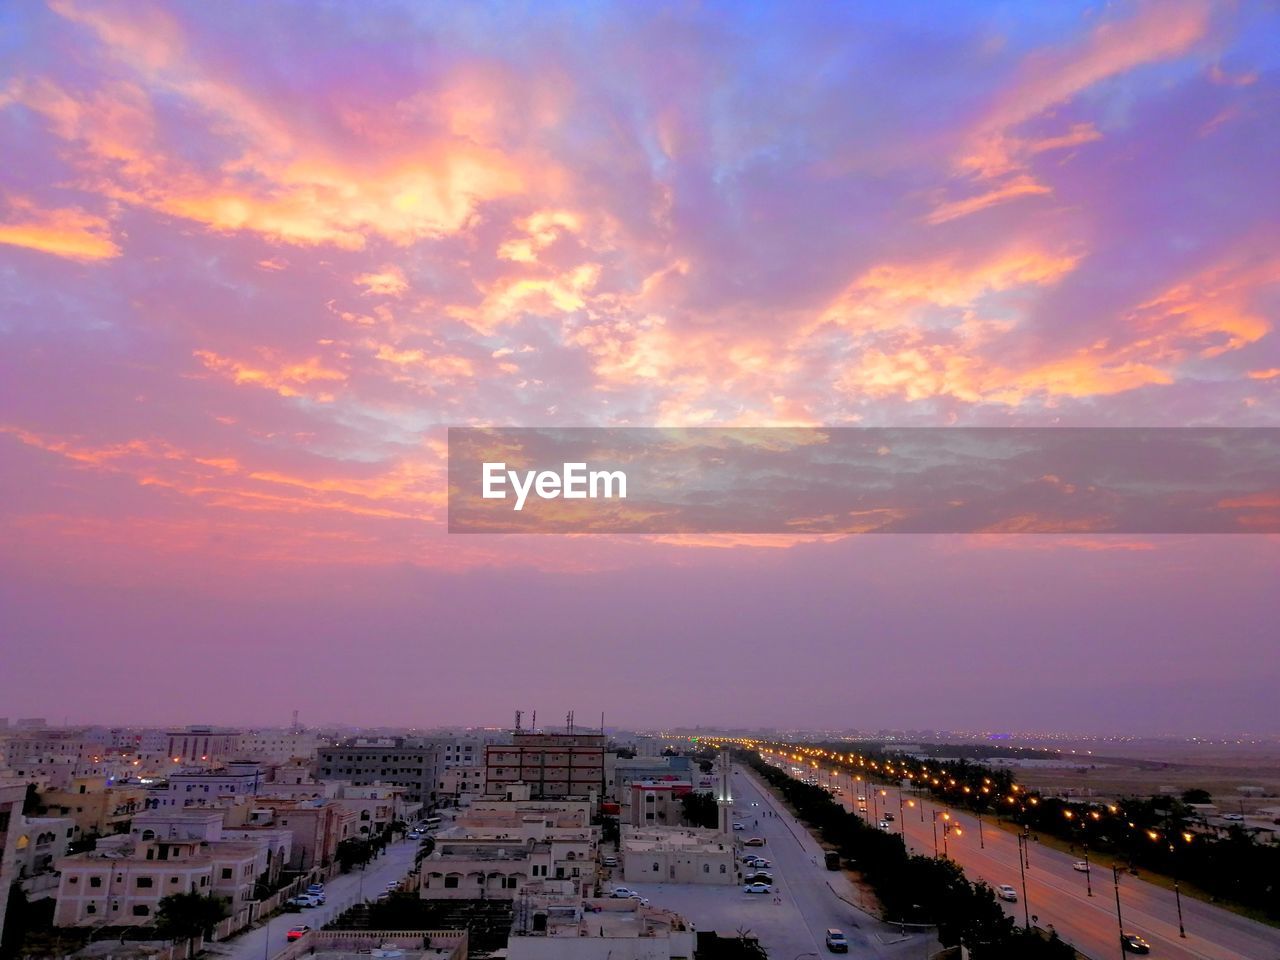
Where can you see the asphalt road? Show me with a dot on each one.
(268, 939)
(809, 905)
(1057, 894)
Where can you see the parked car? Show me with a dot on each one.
(610, 861)
(621, 893)
(739, 826)
(1006, 892)
(759, 863)
(1134, 943)
(1236, 817)
(757, 888)
(643, 901)
(759, 877)
(315, 889)
(754, 842)
(414, 835)
(837, 942)
(1080, 866)
(305, 901)
(297, 933)
(393, 884)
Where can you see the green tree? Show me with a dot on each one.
(184, 916)
(1196, 795)
(355, 852)
(699, 810)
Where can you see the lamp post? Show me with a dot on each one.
(1115, 878)
(1177, 893)
(1088, 876)
(935, 833)
(1026, 904)
(982, 844)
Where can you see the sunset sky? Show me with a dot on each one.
(254, 259)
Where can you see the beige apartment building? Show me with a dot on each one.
(12, 795)
(97, 808)
(552, 765)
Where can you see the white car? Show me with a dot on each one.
(883, 824)
(758, 862)
(739, 826)
(1080, 866)
(622, 893)
(1006, 892)
(1234, 817)
(610, 861)
(757, 888)
(643, 901)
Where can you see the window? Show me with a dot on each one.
(706, 868)
(95, 881)
(141, 910)
(91, 908)
(655, 866)
(451, 882)
(143, 883)
(226, 873)
(722, 868)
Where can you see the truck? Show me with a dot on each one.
(833, 859)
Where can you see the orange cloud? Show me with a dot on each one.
(1049, 78)
(876, 300)
(65, 232)
(289, 379)
(279, 183)
(389, 281)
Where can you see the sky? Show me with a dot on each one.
(256, 258)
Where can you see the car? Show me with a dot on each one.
(610, 861)
(1080, 866)
(754, 803)
(414, 835)
(315, 888)
(759, 877)
(393, 884)
(754, 842)
(304, 901)
(837, 942)
(1006, 892)
(739, 826)
(757, 888)
(622, 893)
(297, 933)
(889, 817)
(883, 824)
(1234, 817)
(643, 901)
(1134, 943)
(758, 863)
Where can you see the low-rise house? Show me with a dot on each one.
(563, 928)
(677, 855)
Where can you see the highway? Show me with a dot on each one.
(1057, 894)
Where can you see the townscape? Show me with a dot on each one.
(593, 844)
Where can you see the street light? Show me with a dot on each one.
(1026, 905)
(1115, 878)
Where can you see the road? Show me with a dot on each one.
(810, 905)
(267, 939)
(1058, 895)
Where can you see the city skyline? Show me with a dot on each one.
(255, 260)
